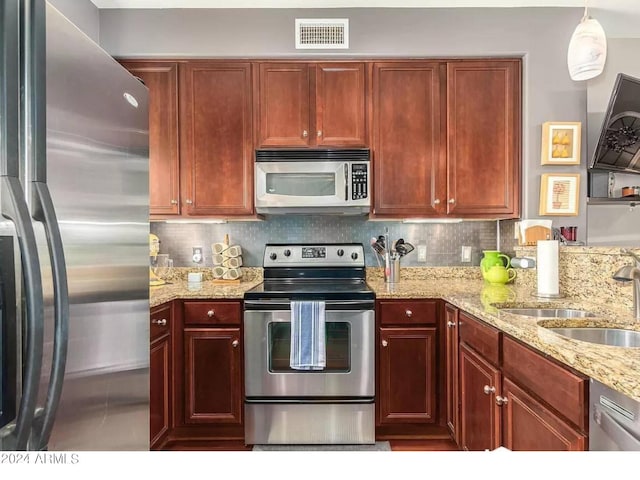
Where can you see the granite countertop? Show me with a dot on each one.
(180, 289)
(616, 367)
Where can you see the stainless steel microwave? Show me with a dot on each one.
(312, 181)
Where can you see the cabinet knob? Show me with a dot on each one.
(408, 313)
(211, 313)
(235, 343)
(451, 324)
(305, 134)
(436, 201)
(384, 343)
(319, 133)
(452, 201)
(161, 322)
(501, 400)
(174, 202)
(188, 202)
(489, 390)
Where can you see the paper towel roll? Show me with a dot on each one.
(217, 248)
(218, 272)
(232, 262)
(547, 260)
(218, 259)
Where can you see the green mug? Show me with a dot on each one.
(499, 275)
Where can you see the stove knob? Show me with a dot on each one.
(287, 253)
(340, 252)
(273, 256)
(354, 255)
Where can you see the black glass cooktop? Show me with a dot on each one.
(305, 289)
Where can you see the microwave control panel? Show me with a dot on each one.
(359, 173)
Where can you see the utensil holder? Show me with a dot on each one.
(392, 273)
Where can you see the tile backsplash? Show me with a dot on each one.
(444, 241)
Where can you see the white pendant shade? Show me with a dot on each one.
(587, 50)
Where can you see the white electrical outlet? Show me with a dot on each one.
(197, 255)
(422, 253)
(465, 255)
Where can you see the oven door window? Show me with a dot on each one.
(338, 341)
(322, 184)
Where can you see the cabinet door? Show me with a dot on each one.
(409, 158)
(407, 375)
(340, 104)
(159, 390)
(451, 371)
(216, 138)
(480, 420)
(161, 78)
(213, 378)
(483, 105)
(529, 425)
(283, 103)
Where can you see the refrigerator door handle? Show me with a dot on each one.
(34, 113)
(14, 207)
(45, 213)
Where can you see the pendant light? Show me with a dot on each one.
(587, 49)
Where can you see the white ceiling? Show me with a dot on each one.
(619, 6)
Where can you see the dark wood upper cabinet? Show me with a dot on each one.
(307, 104)
(340, 104)
(216, 138)
(284, 104)
(161, 78)
(409, 159)
(483, 143)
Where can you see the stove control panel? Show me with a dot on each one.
(308, 255)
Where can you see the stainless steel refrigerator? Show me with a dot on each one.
(74, 204)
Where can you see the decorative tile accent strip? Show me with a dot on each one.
(443, 241)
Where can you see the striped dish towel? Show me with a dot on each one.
(308, 349)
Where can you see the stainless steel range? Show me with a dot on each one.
(333, 405)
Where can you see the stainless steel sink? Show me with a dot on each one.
(616, 337)
(549, 312)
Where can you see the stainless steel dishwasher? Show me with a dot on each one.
(614, 419)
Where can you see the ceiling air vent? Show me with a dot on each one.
(322, 33)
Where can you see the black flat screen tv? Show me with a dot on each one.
(618, 147)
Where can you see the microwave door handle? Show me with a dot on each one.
(346, 182)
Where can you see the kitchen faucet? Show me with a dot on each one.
(630, 273)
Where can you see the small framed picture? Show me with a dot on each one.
(561, 143)
(559, 194)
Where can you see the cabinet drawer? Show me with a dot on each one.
(212, 313)
(481, 337)
(160, 321)
(561, 389)
(408, 312)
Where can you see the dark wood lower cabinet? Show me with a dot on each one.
(160, 374)
(452, 379)
(407, 375)
(480, 420)
(213, 376)
(529, 425)
(159, 392)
